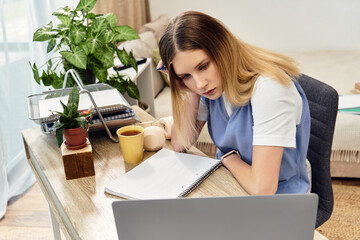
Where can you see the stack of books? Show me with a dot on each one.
(349, 104)
(113, 107)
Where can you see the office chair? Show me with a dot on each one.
(323, 103)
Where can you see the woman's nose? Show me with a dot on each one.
(200, 82)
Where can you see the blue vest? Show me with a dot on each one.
(236, 132)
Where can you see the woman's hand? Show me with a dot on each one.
(263, 175)
(161, 68)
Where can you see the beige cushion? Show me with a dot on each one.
(142, 47)
(157, 26)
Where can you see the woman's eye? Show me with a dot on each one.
(183, 77)
(203, 67)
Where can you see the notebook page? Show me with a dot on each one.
(166, 174)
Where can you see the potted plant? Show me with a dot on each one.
(72, 124)
(86, 43)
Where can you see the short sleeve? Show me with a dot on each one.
(203, 111)
(276, 110)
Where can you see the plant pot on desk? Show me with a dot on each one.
(75, 138)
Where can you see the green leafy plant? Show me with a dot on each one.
(86, 43)
(71, 117)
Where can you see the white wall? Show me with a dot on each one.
(280, 25)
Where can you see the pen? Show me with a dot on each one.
(161, 68)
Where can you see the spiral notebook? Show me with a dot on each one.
(166, 174)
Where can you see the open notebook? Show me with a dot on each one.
(166, 174)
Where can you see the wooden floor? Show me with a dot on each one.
(28, 217)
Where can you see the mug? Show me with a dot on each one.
(131, 139)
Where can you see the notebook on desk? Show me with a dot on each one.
(166, 174)
(271, 217)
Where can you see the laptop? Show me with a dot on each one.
(270, 217)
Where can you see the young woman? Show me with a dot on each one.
(257, 114)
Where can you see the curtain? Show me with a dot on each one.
(134, 13)
(18, 21)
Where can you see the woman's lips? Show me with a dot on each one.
(210, 92)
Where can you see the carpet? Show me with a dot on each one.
(344, 223)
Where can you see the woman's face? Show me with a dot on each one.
(198, 72)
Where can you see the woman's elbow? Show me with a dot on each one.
(177, 146)
(263, 189)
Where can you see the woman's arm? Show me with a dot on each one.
(193, 106)
(263, 175)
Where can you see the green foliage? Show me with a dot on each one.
(85, 41)
(124, 85)
(70, 117)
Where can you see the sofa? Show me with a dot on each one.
(339, 69)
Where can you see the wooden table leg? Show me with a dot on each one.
(54, 225)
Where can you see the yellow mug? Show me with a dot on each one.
(131, 139)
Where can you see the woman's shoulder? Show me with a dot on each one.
(272, 86)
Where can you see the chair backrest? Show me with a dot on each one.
(323, 103)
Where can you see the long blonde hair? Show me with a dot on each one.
(238, 63)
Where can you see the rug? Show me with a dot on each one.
(344, 223)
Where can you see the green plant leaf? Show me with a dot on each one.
(99, 25)
(133, 90)
(82, 122)
(118, 85)
(73, 100)
(63, 42)
(35, 73)
(73, 114)
(64, 11)
(85, 5)
(91, 16)
(101, 74)
(63, 30)
(65, 109)
(58, 82)
(111, 19)
(45, 33)
(106, 56)
(65, 20)
(123, 56)
(133, 62)
(92, 45)
(77, 57)
(57, 125)
(77, 33)
(108, 36)
(59, 136)
(126, 58)
(46, 79)
(125, 33)
(51, 45)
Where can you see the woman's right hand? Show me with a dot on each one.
(162, 68)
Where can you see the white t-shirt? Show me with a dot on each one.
(276, 111)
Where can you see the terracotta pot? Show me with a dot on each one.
(75, 138)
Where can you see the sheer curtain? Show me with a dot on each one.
(18, 21)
